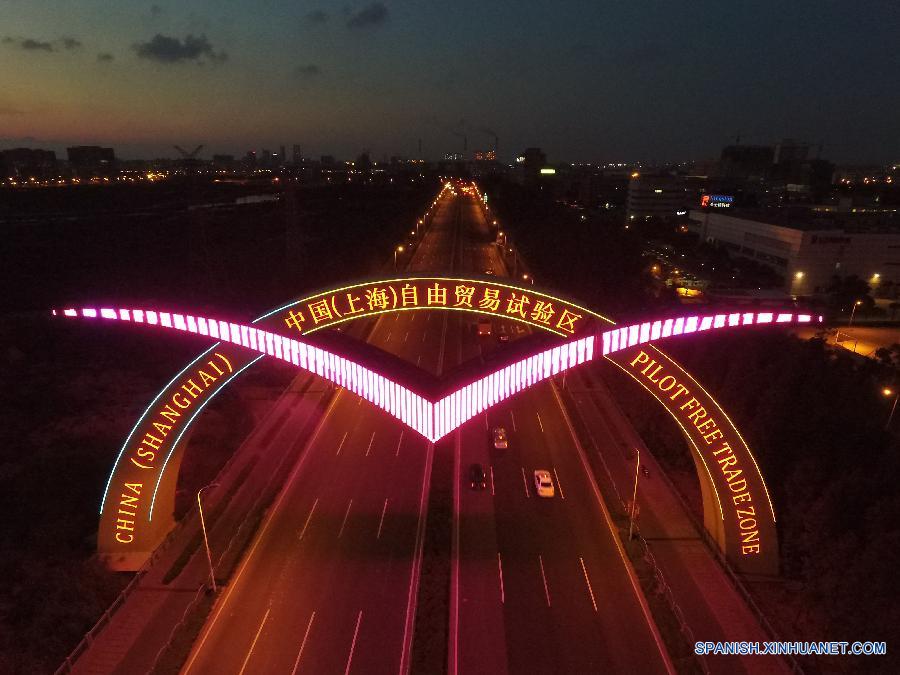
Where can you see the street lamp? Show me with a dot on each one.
(397, 250)
(525, 277)
(637, 468)
(887, 391)
(212, 574)
(837, 333)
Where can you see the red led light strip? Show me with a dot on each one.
(433, 420)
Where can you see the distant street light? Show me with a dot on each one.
(837, 333)
(637, 468)
(526, 277)
(896, 394)
(397, 250)
(212, 574)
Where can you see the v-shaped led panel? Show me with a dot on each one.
(431, 419)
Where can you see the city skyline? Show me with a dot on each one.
(584, 83)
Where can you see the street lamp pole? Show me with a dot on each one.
(888, 392)
(212, 574)
(856, 303)
(397, 250)
(637, 468)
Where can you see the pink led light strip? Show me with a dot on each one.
(431, 420)
(639, 333)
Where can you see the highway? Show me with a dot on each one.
(329, 583)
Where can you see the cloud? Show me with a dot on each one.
(70, 43)
(155, 10)
(373, 14)
(105, 57)
(165, 49)
(317, 16)
(29, 44)
(307, 71)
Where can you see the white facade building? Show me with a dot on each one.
(808, 255)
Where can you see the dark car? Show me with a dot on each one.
(476, 477)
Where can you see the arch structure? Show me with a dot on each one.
(138, 502)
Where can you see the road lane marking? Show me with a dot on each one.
(525, 481)
(513, 418)
(399, 442)
(540, 424)
(303, 644)
(485, 422)
(492, 479)
(544, 577)
(588, 582)
(371, 440)
(344, 522)
(270, 515)
(381, 522)
(253, 644)
(406, 337)
(308, 518)
(500, 570)
(558, 484)
(423, 336)
(388, 338)
(416, 567)
(359, 402)
(353, 644)
(342, 441)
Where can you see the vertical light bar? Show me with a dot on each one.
(614, 339)
(606, 341)
(165, 319)
(764, 317)
(666, 328)
(178, 320)
(588, 348)
(633, 335)
(124, 315)
(734, 319)
(705, 323)
(644, 333)
(784, 318)
(748, 318)
(690, 324)
(655, 330)
(554, 361)
(719, 320)
(108, 314)
(191, 323)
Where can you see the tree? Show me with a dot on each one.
(844, 291)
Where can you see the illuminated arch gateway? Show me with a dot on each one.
(137, 507)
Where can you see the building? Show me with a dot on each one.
(485, 156)
(26, 164)
(809, 248)
(297, 157)
(745, 161)
(89, 161)
(659, 196)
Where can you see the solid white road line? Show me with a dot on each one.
(253, 644)
(588, 582)
(492, 479)
(513, 418)
(544, 577)
(353, 644)
(381, 522)
(344, 522)
(303, 644)
(399, 442)
(342, 441)
(308, 518)
(423, 334)
(540, 424)
(453, 637)
(416, 567)
(558, 484)
(525, 481)
(500, 570)
(388, 338)
(406, 337)
(371, 440)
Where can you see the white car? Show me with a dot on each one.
(500, 442)
(543, 483)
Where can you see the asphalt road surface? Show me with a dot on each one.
(328, 585)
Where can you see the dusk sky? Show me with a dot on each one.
(586, 81)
